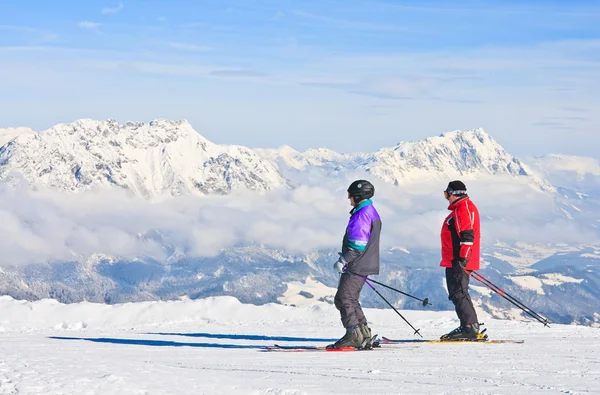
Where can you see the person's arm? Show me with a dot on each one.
(464, 226)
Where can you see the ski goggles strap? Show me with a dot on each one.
(450, 191)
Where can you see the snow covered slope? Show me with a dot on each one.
(151, 160)
(9, 134)
(467, 154)
(456, 154)
(214, 346)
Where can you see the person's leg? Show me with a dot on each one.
(347, 300)
(453, 289)
(469, 314)
(360, 315)
(458, 293)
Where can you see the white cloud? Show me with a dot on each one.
(43, 225)
(113, 10)
(189, 47)
(95, 26)
(581, 166)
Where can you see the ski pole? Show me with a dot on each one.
(425, 301)
(522, 306)
(509, 297)
(368, 281)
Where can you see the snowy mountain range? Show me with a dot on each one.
(565, 287)
(151, 160)
(169, 159)
(466, 154)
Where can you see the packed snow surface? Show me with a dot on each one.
(214, 346)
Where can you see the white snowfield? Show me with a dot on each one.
(213, 346)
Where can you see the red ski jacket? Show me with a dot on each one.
(460, 234)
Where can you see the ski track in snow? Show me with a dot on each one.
(199, 355)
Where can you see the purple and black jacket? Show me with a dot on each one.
(360, 247)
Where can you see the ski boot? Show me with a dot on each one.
(368, 339)
(466, 333)
(352, 338)
(451, 334)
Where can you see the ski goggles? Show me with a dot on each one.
(449, 191)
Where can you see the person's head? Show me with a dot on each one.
(360, 190)
(455, 190)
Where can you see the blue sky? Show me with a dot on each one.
(346, 75)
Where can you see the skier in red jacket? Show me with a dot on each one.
(460, 255)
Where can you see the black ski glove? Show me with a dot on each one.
(461, 262)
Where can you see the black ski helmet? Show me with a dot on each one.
(361, 190)
(456, 188)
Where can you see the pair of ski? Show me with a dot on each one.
(384, 340)
(483, 340)
(373, 342)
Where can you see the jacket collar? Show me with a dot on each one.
(461, 200)
(363, 204)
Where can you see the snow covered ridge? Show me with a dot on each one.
(49, 314)
(160, 158)
(169, 158)
(466, 154)
(9, 134)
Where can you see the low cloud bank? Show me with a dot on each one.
(42, 226)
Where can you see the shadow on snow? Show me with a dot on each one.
(156, 343)
(167, 343)
(246, 337)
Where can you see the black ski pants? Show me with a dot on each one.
(346, 300)
(457, 281)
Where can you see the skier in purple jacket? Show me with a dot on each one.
(360, 255)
